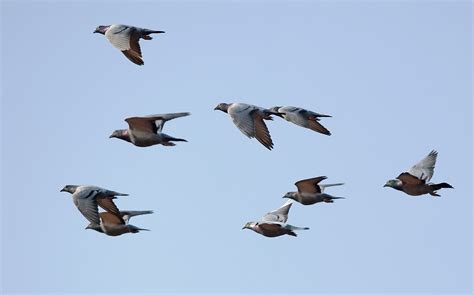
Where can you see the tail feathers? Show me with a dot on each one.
(292, 228)
(154, 32)
(168, 138)
(178, 139)
(441, 185)
(146, 32)
(323, 116)
(112, 193)
(134, 229)
(328, 198)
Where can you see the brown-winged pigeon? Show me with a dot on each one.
(147, 131)
(273, 224)
(310, 191)
(414, 182)
(249, 119)
(125, 38)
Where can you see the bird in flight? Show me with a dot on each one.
(125, 38)
(414, 182)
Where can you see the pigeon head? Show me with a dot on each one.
(222, 107)
(101, 29)
(394, 183)
(290, 195)
(95, 227)
(70, 188)
(250, 225)
(122, 134)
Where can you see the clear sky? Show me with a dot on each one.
(395, 76)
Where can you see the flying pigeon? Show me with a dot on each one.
(116, 225)
(273, 224)
(147, 131)
(414, 182)
(249, 119)
(311, 192)
(302, 117)
(125, 38)
(88, 197)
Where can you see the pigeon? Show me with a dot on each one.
(302, 117)
(116, 225)
(88, 197)
(147, 131)
(249, 119)
(414, 182)
(273, 224)
(125, 38)
(311, 192)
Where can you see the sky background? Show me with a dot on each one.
(395, 76)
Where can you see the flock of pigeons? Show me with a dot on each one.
(250, 120)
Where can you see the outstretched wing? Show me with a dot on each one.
(240, 114)
(125, 38)
(88, 208)
(261, 130)
(278, 215)
(310, 185)
(425, 168)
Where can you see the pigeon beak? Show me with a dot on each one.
(385, 185)
(216, 108)
(95, 31)
(62, 190)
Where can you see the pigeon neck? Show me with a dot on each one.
(124, 135)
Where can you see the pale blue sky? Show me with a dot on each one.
(396, 76)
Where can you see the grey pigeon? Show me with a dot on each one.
(311, 192)
(88, 197)
(147, 131)
(116, 225)
(125, 38)
(414, 182)
(249, 119)
(302, 117)
(273, 224)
